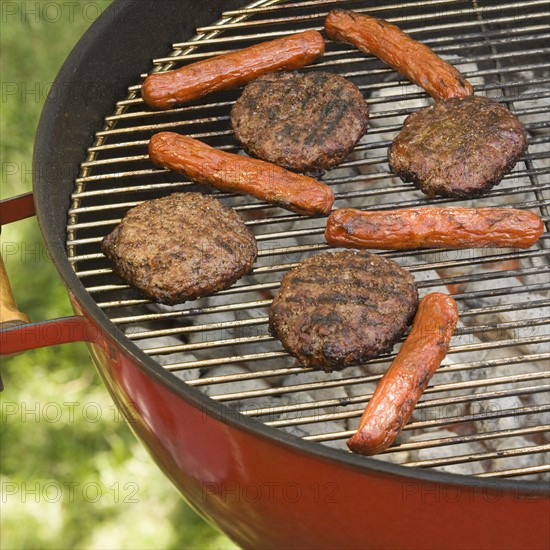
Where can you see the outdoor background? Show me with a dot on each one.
(72, 475)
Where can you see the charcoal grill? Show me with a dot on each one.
(224, 410)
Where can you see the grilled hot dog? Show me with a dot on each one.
(397, 393)
(408, 57)
(166, 90)
(433, 227)
(239, 174)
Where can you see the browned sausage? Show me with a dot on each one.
(408, 57)
(433, 227)
(166, 90)
(239, 174)
(399, 390)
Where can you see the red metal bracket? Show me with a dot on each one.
(17, 336)
(16, 208)
(47, 333)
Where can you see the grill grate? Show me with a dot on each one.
(487, 410)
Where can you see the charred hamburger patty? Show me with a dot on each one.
(306, 122)
(458, 147)
(340, 309)
(180, 247)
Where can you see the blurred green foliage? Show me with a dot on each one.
(72, 474)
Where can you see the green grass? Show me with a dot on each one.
(72, 474)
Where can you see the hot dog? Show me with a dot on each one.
(408, 57)
(239, 174)
(397, 393)
(433, 227)
(166, 90)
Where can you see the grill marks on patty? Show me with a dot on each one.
(458, 147)
(180, 247)
(306, 122)
(341, 309)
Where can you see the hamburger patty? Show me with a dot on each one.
(180, 247)
(306, 122)
(458, 147)
(340, 309)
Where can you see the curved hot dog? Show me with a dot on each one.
(408, 57)
(166, 90)
(397, 393)
(433, 227)
(239, 174)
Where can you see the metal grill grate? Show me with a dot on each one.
(487, 410)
